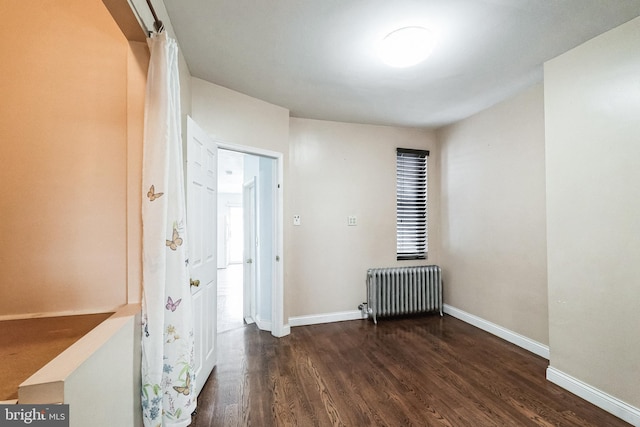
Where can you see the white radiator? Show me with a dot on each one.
(404, 290)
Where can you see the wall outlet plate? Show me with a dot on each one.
(352, 220)
(296, 220)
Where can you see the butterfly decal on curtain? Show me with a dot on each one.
(152, 195)
(187, 387)
(172, 305)
(175, 241)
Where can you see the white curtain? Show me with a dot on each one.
(167, 330)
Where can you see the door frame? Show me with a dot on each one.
(278, 326)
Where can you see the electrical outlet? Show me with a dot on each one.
(352, 220)
(296, 220)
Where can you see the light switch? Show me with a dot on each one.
(296, 220)
(352, 220)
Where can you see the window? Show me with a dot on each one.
(411, 204)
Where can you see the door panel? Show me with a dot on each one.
(198, 332)
(250, 253)
(201, 220)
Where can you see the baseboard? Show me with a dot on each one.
(513, 337)
(262, 324)
(315, 319)
(286, 330)
(597, 397)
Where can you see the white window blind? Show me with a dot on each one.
(411, 204)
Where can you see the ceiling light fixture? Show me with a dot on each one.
(406, 46)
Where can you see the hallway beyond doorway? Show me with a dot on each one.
(230, 298)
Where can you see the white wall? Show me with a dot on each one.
(225, 202)
(98, 376)
(592, 109)
(493, 215)
(337, 170)
(105, 390)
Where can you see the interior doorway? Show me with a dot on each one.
(249, 242)
(230, 240)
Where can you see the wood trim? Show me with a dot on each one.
(22, 316)
(122, 13)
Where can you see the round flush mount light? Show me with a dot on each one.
(406, 46)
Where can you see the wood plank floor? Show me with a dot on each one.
(426, 371)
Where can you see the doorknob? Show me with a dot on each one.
(249, 261)
(195, 283)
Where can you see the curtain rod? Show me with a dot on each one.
(157, 24)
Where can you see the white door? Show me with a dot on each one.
(250, 250)
(202, 166)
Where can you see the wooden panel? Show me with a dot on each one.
(126, 20)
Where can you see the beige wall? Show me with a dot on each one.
(64, 137)
(493, 215)
(325, 180)
(235, 118)
(592, 108)
(337, 170)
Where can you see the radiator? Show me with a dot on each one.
(403, 290)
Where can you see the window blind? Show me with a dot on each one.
(411, 204)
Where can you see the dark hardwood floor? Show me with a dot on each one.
(425, 371)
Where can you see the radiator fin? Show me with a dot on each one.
(404, 290)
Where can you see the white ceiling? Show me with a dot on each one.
(316, 57)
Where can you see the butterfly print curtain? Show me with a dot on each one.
(167, 329)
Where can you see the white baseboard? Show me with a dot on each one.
(286, 330)
(315, 319)
(597, 397)
(513, 337)
(262, 324)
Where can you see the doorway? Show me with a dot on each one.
(230, 240)
(249, 242)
